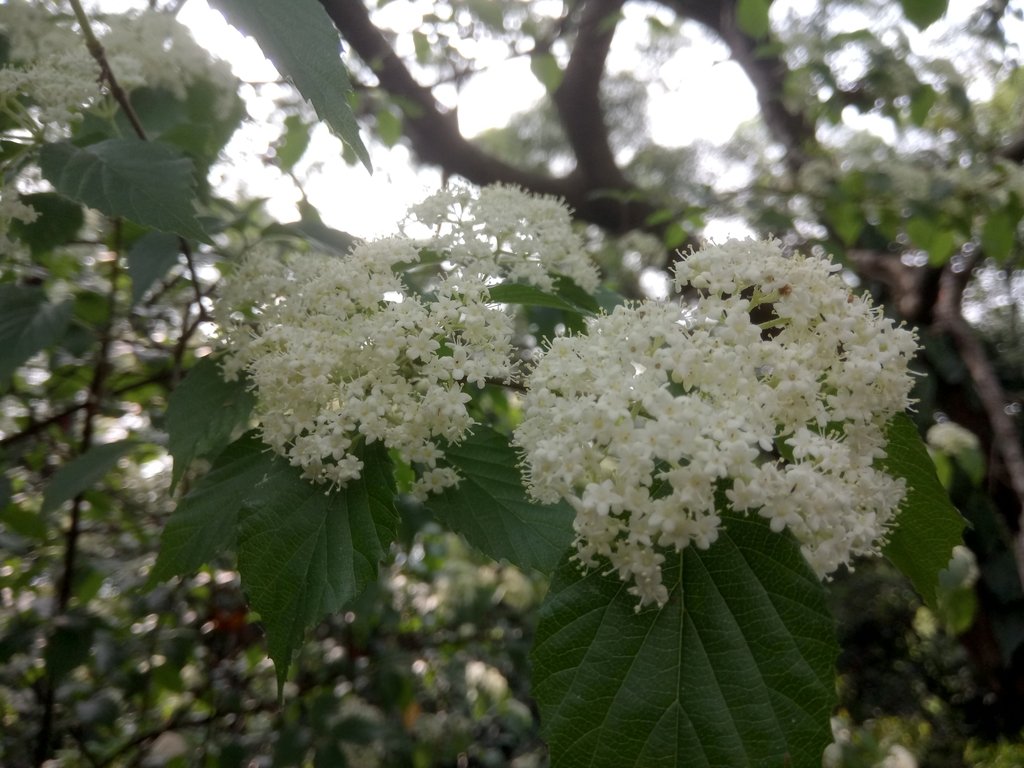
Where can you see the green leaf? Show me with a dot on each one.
(920, 231)
(924, 13)
(293, 143)
(490, 508)
(848, 221)
(145, 181)
(921, 102)
(567, 288)
(928, 525)
(545, 68)
(674, 236)
(531, 296)
(149, 259)
(302, 41)
(68, 644)
(929, 235)
(752, 17)
(203, 413)
(57, 223)
(304, 552)
(82, 473)
(735, 670)
(24, 522)
(942, 246)
(389, 126)
(1000, 233)
(205, 521)
(28, 323)
(313, 229)
(421, 43)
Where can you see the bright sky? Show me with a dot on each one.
(366, 205)
(699, 72)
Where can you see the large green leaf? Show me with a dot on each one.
(149, 259)
(82, 473)
(491, 510)
(145, 181)
(928, 525)
(304, 552)
(205, 522)
(301, 40)
(735, 670)
(28, 323)
(203, 413)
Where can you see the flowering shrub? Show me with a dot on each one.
(765, 391)
(682, 474)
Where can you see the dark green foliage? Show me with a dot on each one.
(490, 507)
(147, 182)
(28, 323)
(736, 669)
(204, 413)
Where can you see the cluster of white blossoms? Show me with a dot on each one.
(501, 233)
(53, 68)
(772, 392)
(340, 351)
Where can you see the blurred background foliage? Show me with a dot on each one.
(900, 154)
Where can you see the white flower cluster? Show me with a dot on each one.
(53, 68)
(501, 234)
(340, 351)
(771, 392)
(60, 84)
(33, 29)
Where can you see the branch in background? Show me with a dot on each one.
(36, 427)
(436, 139)
(766, 71)
(1005, 440)
(578, 102)
(577, 97)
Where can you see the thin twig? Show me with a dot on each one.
(106, 74)
(121, 97)
(38, 426)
